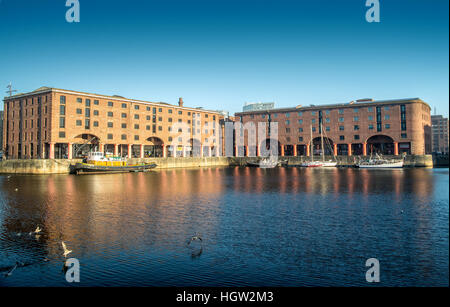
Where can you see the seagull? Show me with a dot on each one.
(66, 251)
(10, 272)
(38, 230)
(195, 238)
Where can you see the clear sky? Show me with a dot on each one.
(218, 54)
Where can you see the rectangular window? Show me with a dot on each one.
(369, 109)
(355, 110)
(356, 136)
(300, 121)
(87, 112)
(313, 113)
(96, 102)
(341, 137)
(124, 105)
(327, 120)
(87, 124)
(288, 114)
(313, 129)
(87, 102)
(123, 136)
(356, 118)
(95, 124)
(341, 119)
(387, 126)
(124, 125)
(160, 128)
(341, 111)
(136, 126)
(62, 122)
(386, 108)
(62, 99)
(136, 137)
(288, 122)
(355, 127)
(341, 128)
(124, 115)
(136, 107)
(79, 111)
(110, 114)
(148, 108)
(300, 139)
(136, 116)
(109, 136)
(79, 100)
(386, 117)
(404, 136)
(160, 110)
(327, 128)
(300, 113)
(110, 124)
(370, 126)
(62, 110)
(96, 112)
(313, 121)
(62, 134)
(300, 129)
(110, 104)
(370, 117)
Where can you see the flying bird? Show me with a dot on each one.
(66, 251)
(10, 272)
(38, 230)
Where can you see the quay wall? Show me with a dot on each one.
(62, 166)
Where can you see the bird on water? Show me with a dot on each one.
(66, 251)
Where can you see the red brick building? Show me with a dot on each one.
(57, 123)
(360, 127)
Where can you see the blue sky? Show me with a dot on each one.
(219, 54)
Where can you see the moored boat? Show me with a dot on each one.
(97, 162)
(380, 162)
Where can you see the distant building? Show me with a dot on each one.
(1, 129)
(258, 106)
(439, 133)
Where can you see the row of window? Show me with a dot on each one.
(341, 128)
(314, 113)
(341, 119)
(342, 137)
(87, 102)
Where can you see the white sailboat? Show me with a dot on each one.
(322, 163)
(379, 162)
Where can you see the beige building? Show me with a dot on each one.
(57, 123)
(439, 133)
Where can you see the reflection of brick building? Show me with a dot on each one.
(440, 133)
(356, 128)
(56, 123)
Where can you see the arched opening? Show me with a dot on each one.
(380, 144)
(327, 144)
(153, 147)
(83, 144)
(267, 148)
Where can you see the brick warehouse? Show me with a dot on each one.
(361, 127)
(56, 123)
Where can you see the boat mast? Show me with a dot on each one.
(312, 146)
(321, 141)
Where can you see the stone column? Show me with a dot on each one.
(282, 150)
(236, 151)
(69, 150)
(364, 149)
(209, 151)
(129, 151)
(396, 148)
(116, 149)
(308, 153)
(52, 151)
(258, 151)
(349, 149)
(142, 151)
(101, 147)
(295, 150)
(335, 149)
(246, 151)
(164, 150)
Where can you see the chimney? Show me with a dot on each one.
(180, 102)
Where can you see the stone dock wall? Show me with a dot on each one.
(61, 166)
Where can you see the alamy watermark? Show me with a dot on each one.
(72, 270)
(373, 13)
(373, 273)
(73, 13)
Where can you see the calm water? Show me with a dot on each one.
(260, 227)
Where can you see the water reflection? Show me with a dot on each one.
(283, 226)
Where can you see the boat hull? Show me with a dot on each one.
(85, 168)
(383, 165)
